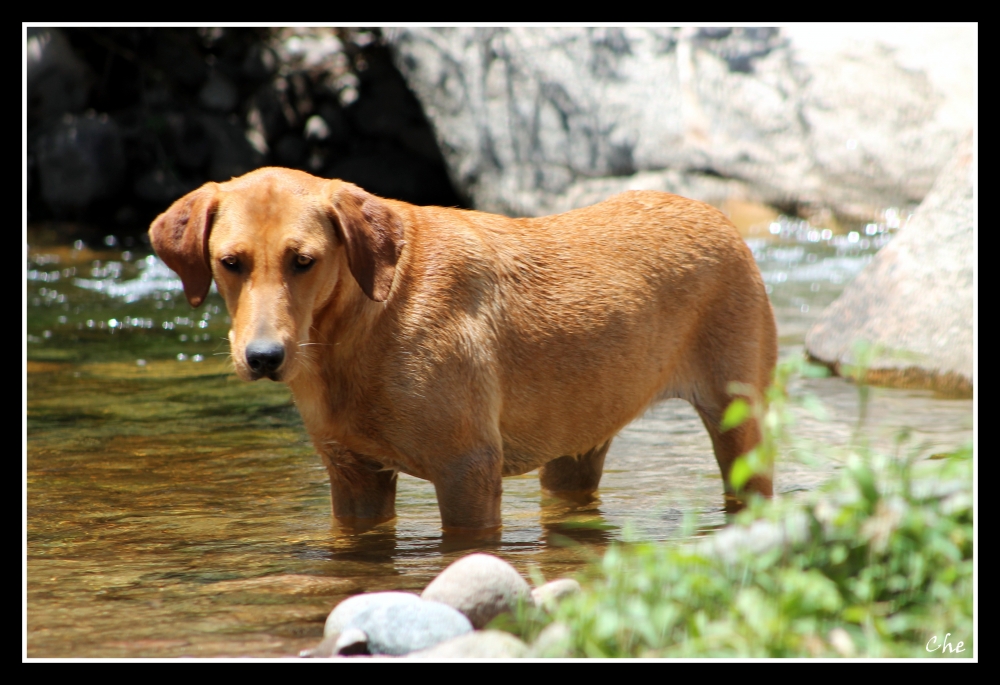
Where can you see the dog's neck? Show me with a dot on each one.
(331, 396)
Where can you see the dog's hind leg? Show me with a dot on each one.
(360, 489)
(573, 477)
(733, 356)
(729, 445)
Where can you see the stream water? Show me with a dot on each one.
(173, 510)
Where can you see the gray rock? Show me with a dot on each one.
(555, 641)
(351, 641)
(481, 644)
(58, 80)
(345, 612)
(531, 120)
(315, 47)
(79, 159)
(481, 586)
(553, 592)
(316, 128)
(325, 649)
(737, 543)
(913, 304)
(395, 629)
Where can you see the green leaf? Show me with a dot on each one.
(865, 480)
(814, 406)
(740, 473)
(737, 412)
(810, 370)
(855, 614)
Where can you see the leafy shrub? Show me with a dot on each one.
(874, 564)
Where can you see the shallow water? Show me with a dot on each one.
(176, 511)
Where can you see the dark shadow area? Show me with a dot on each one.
(122, 121)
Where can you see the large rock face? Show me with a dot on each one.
(913, 304)
(536, 120)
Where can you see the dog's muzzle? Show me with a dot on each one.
(264, 357)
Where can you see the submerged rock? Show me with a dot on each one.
(284, 584)
(912, 306)
(481, 586)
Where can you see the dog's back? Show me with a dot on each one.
(569, 326)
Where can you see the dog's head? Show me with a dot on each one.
(278, 243)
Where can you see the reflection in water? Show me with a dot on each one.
(566, 524)
(374, 546)
(173, 510)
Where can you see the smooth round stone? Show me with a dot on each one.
(552, 593)
(399, 628)
(481, 586)
(344, 612)
(555, 640)
(481, 644)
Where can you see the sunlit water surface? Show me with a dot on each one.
(176, 511)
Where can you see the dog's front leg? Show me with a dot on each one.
(469, 491)
(360, 489)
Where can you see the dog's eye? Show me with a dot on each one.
(302, 263)
(231, 264)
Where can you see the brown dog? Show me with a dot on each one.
(461, 347)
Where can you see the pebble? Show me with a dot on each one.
(344, 612)
(552, 593)
(396, 629)
(481, 586)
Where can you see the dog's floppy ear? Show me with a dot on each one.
(180, 238)
(372, 235)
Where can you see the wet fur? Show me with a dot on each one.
(461, 347)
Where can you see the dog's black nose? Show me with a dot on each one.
(264, 357)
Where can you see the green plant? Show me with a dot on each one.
(877, 563)
(773, 414)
